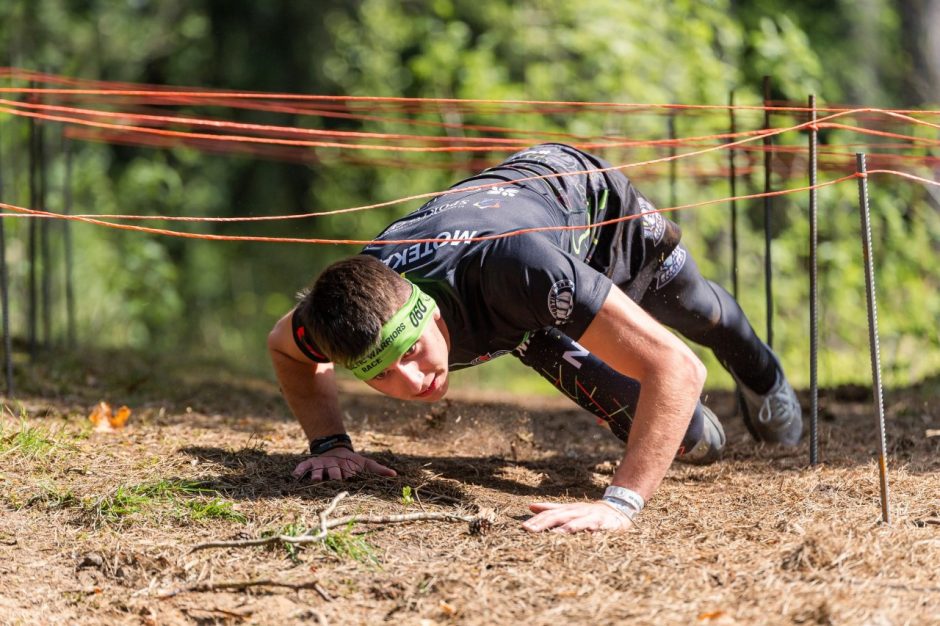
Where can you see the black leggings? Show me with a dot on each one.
(681, 299)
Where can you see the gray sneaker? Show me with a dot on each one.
(710, 446)
(776, 416)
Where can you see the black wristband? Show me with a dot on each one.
(323, 444)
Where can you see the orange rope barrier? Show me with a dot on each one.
(724, 146)
(36, 213)
(198, 94)
(507, 144)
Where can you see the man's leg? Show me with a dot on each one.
(609, 395)
(681, 298)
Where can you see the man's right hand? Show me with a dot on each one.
(339, 464)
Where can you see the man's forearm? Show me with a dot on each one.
(661, 419)
(310, 392)
(671, 378)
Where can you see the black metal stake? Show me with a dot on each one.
(733, 183)
(67, 235)
(33, 240)
(672, 165)
(873, 330)
(45, 253)
(768, 207)
(813, 290)
(5, 300)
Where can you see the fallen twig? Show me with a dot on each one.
(326, 524)
(239, 585)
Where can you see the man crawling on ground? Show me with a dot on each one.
(552, 256)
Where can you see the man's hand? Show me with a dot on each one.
(576, 517)
(339, 464)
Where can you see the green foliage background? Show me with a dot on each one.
(157, 294)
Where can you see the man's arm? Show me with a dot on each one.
(671, 378)
(310, 391)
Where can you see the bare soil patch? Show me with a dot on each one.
(98, 527)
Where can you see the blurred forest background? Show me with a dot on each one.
(158, 295)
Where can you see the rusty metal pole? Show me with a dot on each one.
(813, 290)
(873, 331)
(768, 210)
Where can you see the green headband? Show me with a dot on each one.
(398, 335)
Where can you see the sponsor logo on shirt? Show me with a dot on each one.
(430, 210)
(654, 224)
(419, 251)
(561, 300)
(487, 203)
(506, 192)
(670, 267)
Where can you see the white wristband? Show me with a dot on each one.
(627, 496)
(620, 506)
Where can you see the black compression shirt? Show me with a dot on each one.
(492, 293)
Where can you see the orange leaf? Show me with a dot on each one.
(105, 421)
(710, 616)
(100, 416)
(447, 609)
(120, 418)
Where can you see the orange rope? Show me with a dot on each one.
(906, 175)
(508, 144)
(194, 93)
(36, 213)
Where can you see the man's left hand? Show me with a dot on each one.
(576, 517)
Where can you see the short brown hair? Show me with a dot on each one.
(344, 310)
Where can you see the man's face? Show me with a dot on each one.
(420, 373)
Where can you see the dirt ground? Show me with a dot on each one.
(99, 528)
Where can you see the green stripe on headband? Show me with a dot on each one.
(398, 335)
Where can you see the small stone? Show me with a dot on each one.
(92, 559)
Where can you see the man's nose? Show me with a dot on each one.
(412, 376)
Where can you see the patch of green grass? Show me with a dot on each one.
(170, 488)
(348, 545)
(28, 441)
(123, 502)
(213, 509)
(129, 500)
(294, 529)
(53, 497)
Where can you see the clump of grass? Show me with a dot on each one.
(170, 488)
(294, 529)
(129, 500)
(342, 543)
(123, 502)
(214, 509)
(31, 442)
(53, 498)
(348, 545)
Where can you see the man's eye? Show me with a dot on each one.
(411, 350)
(380, 376)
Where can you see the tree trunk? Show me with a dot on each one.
(920, 34)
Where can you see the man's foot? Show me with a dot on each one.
(710, 446)
(775, 416)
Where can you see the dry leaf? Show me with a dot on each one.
(710, 615)
(447, 609)
(106, 421)
(120, 418)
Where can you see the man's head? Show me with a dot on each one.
(366, 317)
